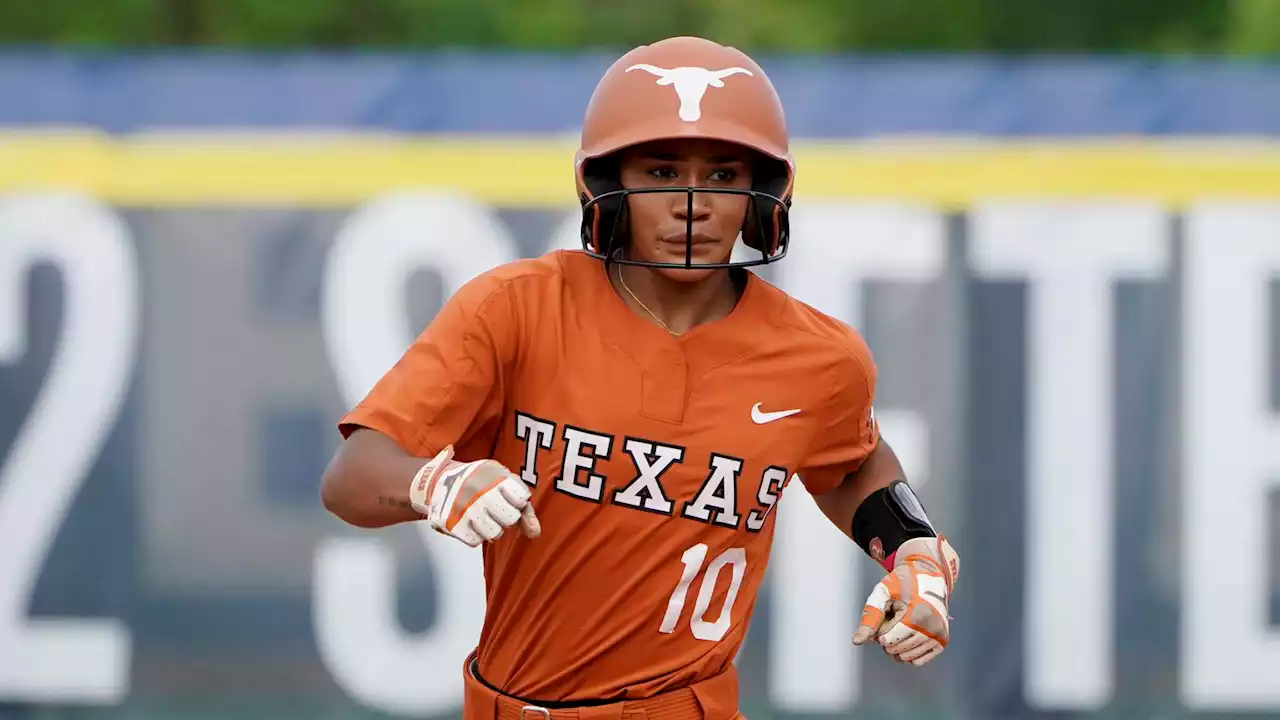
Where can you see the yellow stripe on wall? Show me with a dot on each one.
(295, 169)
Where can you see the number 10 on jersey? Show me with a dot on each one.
(693, 558)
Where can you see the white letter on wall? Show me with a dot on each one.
(1071, 255)
(366, 327)
(813, 666)
(1231, 459)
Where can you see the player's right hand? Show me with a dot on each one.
(473, 502)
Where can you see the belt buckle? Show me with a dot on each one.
(537, 710)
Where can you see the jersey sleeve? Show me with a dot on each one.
(447, 388)
(850, 432)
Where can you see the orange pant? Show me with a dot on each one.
(712, 699)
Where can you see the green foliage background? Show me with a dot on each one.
(1235, 27)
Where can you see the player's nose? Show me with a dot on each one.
(690, 204)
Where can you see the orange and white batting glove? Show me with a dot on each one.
(907, 610)
(473, 502)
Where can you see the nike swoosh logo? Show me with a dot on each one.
(760, 418)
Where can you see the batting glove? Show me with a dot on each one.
(907, 610)
(473, 502)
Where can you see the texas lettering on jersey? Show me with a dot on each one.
(575, 474)
(654, 462)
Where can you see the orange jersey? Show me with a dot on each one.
(654, 461)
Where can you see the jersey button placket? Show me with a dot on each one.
(665, 385)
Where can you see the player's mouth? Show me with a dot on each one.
(678, 241)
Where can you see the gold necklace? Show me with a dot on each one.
(641, 303)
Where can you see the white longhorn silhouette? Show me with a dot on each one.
(691, 84)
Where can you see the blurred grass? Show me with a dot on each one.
(1236, 27)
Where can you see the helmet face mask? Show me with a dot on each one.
(685, 89)
(609, 237)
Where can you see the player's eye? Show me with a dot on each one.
(724, 175)
(664, 172)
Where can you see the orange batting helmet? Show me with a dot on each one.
(685, 87)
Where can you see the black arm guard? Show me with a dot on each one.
(889, 517)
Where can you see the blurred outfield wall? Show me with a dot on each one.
(1067, 269)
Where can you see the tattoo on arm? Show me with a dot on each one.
(396, 502)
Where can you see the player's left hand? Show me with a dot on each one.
(907, 610)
